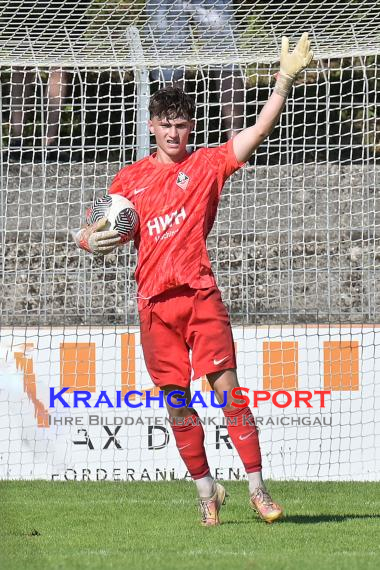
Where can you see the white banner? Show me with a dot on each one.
(335, 442)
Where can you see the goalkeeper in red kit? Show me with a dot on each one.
(176, 195)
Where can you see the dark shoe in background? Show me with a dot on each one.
(17, 154)
(52, 155)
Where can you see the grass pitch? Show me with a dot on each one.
(147, 526)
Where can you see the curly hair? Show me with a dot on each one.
(172, 103)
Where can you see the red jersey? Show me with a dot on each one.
(177, 205)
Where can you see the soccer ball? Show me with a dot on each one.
(120, 213)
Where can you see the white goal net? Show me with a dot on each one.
(295, 248)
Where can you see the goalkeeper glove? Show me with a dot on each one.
(96, 241)
(292, 63)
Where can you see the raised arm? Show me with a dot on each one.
(248, 140)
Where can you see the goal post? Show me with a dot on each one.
(295, 247)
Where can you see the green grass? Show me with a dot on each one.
(155, 526)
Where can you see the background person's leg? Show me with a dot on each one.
(229, 84)
(169, 76)
(169, 28)
(215, 25)
(56, 92)
(20, 93)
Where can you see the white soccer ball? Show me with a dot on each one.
(120, 213)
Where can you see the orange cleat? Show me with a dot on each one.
(266, 508)
(210, 507)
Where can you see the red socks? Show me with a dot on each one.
(243, 433)
(189, 438)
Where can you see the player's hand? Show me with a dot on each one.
(292, 63)
(97, 241)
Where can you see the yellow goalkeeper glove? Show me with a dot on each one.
(292, 63)
(96, 241)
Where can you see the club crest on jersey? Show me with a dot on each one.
(182, 180)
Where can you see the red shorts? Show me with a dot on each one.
(180, 320)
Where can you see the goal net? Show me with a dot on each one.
(295, 247)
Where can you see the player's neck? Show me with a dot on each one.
(164, 158)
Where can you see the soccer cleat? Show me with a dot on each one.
(266, 508)
(210, 507)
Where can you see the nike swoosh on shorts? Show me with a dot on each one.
(216, 362)
(140, 190)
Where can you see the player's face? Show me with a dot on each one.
(171, 136)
